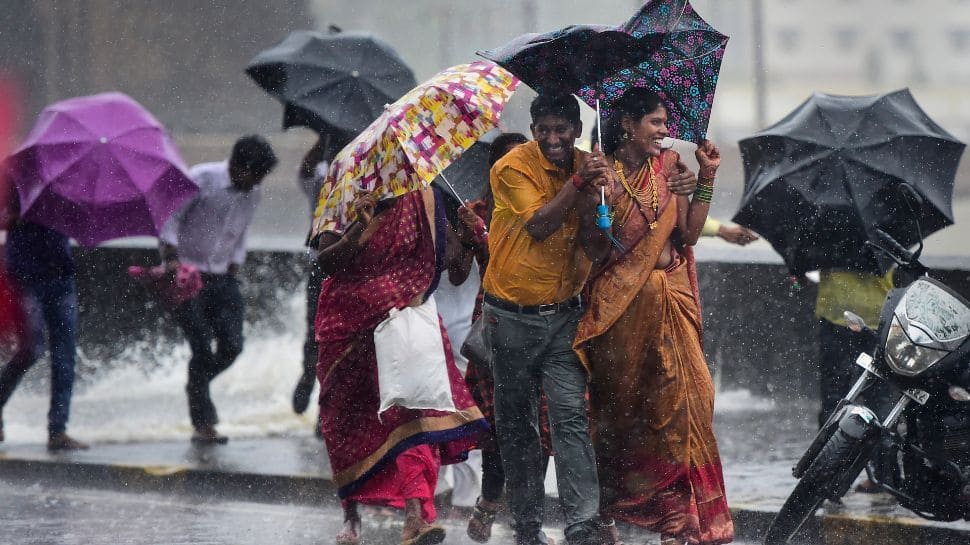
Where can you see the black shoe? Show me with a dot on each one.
(584, 533)
(63, 441)
(207, 435)
(301, 395)
(534, 538)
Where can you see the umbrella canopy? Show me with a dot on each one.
(414, 140)
(331, 81)
(820, 181)
(682, 69)
(468, 175)
(565, 60)
(99, 167)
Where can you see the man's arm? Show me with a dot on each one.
(549, 218)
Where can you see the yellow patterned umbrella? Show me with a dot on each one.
(414, 140)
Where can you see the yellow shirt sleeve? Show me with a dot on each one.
(517, 192)
(711, 227)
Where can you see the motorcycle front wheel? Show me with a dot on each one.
(841, 455)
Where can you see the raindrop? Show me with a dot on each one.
(103, 140)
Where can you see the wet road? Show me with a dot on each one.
(34, 514)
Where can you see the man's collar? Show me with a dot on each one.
(546, 164)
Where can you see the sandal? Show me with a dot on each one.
(351, 537)
(480, 524)
(431, 534)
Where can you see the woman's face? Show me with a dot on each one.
(647, 134)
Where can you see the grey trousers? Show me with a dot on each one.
(529, 351)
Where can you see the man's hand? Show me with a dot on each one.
(364, 206)
(594, 166)
(682, 182)
(735, 234)
(709, 159)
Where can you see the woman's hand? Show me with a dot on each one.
(709, 159)
(473, 223)
(364, 206)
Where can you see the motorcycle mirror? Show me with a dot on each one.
(855, 322)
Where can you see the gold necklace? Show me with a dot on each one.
(640, 194)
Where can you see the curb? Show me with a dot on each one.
(750, 521)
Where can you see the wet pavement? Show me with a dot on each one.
(759, 442)
(40, 514)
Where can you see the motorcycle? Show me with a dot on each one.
(919, 452)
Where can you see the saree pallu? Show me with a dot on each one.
(395, 457)
(651, 394)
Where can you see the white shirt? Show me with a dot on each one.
(456, 304)
(210, 230)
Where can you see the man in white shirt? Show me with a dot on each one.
(209, 232)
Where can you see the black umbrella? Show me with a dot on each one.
(468, 175)
(331, 81)
(820, 181)
(565, 60)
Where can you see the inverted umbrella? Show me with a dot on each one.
(820, 181)
(331, 81)
(99, 167)
(682, 69)
(414, 140)
(564, 60)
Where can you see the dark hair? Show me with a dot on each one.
(502, 141)
(564, 106)
(253, 153)
(634, 104)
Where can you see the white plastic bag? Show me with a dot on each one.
(412, 370)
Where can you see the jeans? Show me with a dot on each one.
(215, 314)
(529, 351)
(51, 302)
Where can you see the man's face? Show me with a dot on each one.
(556, 136)
(242, 178)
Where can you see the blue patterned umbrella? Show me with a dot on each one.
(683, 69)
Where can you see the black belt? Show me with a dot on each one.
(541, 310)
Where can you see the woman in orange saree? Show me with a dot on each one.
(391, 257)
(651, 394)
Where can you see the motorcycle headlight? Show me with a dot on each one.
(905, 357)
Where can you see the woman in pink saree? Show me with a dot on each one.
(651, 395)
(390, 258)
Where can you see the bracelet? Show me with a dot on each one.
(706, 181)
(578, 182)
(703, 193)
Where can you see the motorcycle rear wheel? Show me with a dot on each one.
(840, 455)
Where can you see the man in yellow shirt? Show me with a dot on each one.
(541, 242)
(839, 291)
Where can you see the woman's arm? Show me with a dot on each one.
(336, 253)
(692, 213)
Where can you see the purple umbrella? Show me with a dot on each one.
(97, 168)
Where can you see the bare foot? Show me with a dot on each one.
(350, 534)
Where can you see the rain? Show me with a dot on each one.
(822, 112)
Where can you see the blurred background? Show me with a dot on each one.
(184, 62)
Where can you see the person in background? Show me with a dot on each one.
(41, 269)
(651, 394)
(209, 232)
(735, 234)
(541, 236)
(313, 171)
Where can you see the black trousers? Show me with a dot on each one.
(839, 347)
(216, 314)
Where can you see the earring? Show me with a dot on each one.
(626, 135)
